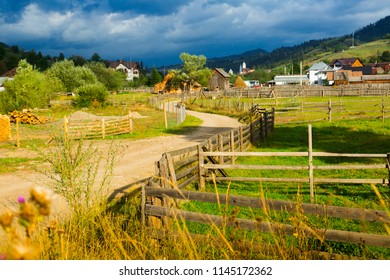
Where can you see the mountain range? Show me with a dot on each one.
(259, 58)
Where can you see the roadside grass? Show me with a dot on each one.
(14, 164)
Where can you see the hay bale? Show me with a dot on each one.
(5, 128)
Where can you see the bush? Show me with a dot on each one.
(87, 95)
(28, 89)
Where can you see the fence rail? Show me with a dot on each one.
(100, 128)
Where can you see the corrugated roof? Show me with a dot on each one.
(319, 66)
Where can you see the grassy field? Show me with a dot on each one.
(302, 109)
(356, 136)
(114, 231)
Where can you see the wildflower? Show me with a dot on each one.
(6, 219)
(42, 197)
(24, 251)
(28, 214)
(21, 200)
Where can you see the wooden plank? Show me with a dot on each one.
(256, 179)
(186, 172)
(325, 154)
(171, 170)
(277, 205)
(327, 234)
(183, 151)
(255, 167)
(188, 181)
(347, 167)
(350, 181)
(258, 154)
(186, 161)
(201, 171)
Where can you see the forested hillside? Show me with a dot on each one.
(262, 59)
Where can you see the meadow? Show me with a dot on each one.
(114, 230)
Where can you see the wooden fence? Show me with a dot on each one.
(97, 128)
(172, 106)
(209, 161)
(311, 91)
(309, 167)
(297, 110)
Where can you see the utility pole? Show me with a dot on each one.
(300, 78)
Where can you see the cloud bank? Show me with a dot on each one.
(156, 32)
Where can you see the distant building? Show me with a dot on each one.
(341, 63)
(131, 69)
(318, 73)
(290, 80)
(219, 80)
(244, 70)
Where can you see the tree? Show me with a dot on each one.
(193, 70)
(155, 77)
(110, 78)
(29, 89)
(71, 77)
(96, 58)
(385, 57)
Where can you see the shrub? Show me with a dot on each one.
(28, 89)
(87, 95)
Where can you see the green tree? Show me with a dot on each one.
(193, 70)
(71, 77)
(155, 77)
(110, 78)
(29, 89)
(385, 57)
(96, 58)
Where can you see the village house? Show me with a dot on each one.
(131, 69)
(318, 73)
(341, 63)
(219, 80)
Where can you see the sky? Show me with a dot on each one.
(156, 32)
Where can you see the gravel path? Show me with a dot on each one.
(135, 163)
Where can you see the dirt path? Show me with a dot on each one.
(136, 160)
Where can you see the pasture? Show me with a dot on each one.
(117, 230)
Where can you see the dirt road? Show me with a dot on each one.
(136, 160)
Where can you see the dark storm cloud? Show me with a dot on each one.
(158, 31)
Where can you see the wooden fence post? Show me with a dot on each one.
(330, 110)
(165, 115)
(388, 167)
(17, 133)
(311, 177)
(103, 129)
(202, 182)
(130, 119)
(232, 145)
(241, 133)
(383, 109)
(220, 147)
(65, 129)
